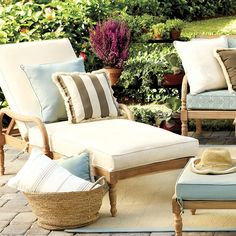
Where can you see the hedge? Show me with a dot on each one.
(184, 9)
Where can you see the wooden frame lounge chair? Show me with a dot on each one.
(120, 148)
(211, 104)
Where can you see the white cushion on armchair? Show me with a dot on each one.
(117, 144)
(200, 66)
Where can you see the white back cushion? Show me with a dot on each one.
(13, 81)
(201, 67)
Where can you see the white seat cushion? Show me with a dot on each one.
(116, 144)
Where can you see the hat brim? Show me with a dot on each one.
(210, 171)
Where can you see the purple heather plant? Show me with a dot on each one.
(110, 41)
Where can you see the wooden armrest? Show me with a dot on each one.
(126, 110)
(27, 119)
(184, 93)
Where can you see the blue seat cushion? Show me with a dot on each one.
(192, 186)
(212, 100)
(232, 42)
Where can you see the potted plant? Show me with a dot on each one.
(159, 30)
(174, 73)
(110, 41)
(175, 27)
(173, 122)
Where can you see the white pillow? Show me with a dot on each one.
(42, 174)
(201, 67)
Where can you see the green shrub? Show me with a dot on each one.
(184, 9)
(152, 114)
(38, 20)
(143, 73)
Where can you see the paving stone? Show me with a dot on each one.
(16, 229)
(4, 223)
(162, 234)
(5, 189)
(14, 167)
(13, 202)
(26, 209)
(198, 234)
(220, 134)
(98, 234)
(13, 208)
(4, 179)
(230, 141)
(8, 196)
(224, 234)
(36, 230)
(63, 233)
(7, 216)
(216, 141)
(24, 217)
(2, 202)
(128, 234)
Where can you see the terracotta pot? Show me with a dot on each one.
(174, 125)
(175, 34)
(172, 79)
(114, 74)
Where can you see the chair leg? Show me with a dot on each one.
(113, 199)
(198, 126)
(184, 128)
(178, 224)
(193, 211)
(2, 142)
(177, 217)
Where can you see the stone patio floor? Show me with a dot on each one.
(16, 217)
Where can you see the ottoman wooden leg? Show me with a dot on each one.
(193, 211)
(113, 198)
(177, 217)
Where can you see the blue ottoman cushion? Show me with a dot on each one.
(192, 186)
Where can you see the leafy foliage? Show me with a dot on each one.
(184, 9)
(39, 20)
(143, 73)
(152, 114)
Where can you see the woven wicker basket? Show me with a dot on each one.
(66, 210)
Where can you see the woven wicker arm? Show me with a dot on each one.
(126, 111)
(27, 119)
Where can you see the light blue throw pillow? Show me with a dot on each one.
(51, 102)
(232, 42)
(78, 165)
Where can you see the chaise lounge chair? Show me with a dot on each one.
(120, 148)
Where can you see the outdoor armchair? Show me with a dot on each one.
(210, 103)
(119, 148)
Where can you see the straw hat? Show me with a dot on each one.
(214, 161)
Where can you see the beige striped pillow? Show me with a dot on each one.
(86, 96)
(42, 174)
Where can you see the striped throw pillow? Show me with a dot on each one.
(42, 174)
(86, 96)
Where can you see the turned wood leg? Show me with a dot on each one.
(198, 124)
(178, 224)
(193, 211)
(184, 128)
(177, 217)
(2, 142)
(113, 198)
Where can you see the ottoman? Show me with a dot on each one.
(194, 191)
